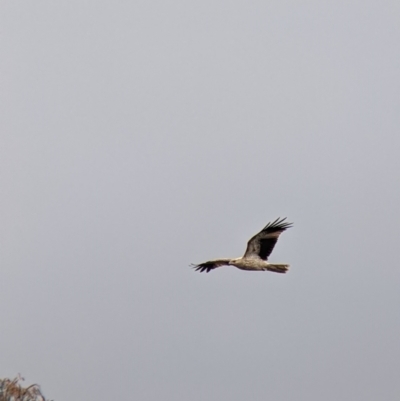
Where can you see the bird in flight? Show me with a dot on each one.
(258, 249)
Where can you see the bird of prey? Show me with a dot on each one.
(258, 249)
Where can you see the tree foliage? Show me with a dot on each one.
(12, 390)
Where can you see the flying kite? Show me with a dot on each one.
(258, 249)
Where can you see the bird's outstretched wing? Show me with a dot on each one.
(262, 244)
(211, 264)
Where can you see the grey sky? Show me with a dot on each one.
(138, 137)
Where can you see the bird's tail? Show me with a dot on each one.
(278, 268)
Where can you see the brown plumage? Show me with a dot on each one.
(258, 250)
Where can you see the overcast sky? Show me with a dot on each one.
(138, 137)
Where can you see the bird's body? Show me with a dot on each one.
(258, 249)
(258, 264)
